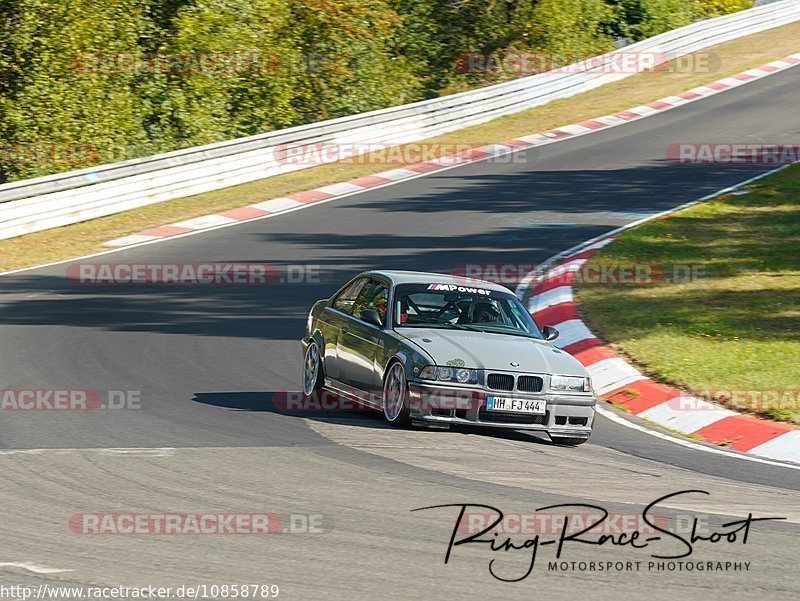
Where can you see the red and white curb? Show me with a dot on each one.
(305, 198)
(550, 302)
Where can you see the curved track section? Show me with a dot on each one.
(208, 362)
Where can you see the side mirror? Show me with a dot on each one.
(550, 333)
(371, 316)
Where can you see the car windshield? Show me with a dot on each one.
(462, 307)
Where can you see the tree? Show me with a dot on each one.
(64, 100)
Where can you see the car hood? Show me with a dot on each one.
(493, 351)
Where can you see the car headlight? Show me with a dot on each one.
(466, 375)
(449, 374)
(570, 383)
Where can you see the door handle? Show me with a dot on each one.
(345, 329)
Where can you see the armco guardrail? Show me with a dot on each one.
(57, 200)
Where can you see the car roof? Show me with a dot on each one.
(423, 277)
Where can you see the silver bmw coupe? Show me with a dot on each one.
(436, 350)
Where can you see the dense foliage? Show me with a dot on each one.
(83, 82)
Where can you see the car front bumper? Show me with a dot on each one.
(565, 415)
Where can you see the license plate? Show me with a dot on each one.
(499, 403)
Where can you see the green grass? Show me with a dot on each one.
(732, 334)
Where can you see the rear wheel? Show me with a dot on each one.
(395, 395)
(313, 377)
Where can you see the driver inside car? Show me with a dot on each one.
(483, 312)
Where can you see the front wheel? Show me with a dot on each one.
(569, 441)
(395, 396)
(312, 370)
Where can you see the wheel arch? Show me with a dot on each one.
(405, 358)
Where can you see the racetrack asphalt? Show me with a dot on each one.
(207, 361)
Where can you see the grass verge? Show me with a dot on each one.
(730, 333)
(724, 59)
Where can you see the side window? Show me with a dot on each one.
(344, 302)
(374, 295)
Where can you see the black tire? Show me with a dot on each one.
(569, 441)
